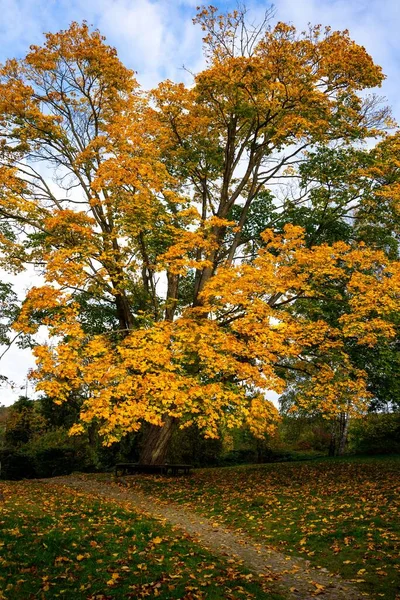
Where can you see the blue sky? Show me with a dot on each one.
(157, 37)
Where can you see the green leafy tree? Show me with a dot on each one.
(24, 422)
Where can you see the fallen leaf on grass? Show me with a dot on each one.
(157, 540)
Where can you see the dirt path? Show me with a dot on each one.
(293, 576)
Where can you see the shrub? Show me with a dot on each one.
(16, 464)
(377, 433)
(306, 434)
(189, 446)
(55, 461)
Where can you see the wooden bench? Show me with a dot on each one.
(164, 469)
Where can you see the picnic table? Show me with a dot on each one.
(164, 469)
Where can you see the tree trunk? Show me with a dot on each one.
(172, 296)
(156, 444)
(124, 313)
(332, 444)
(339, 432)
(344, 429)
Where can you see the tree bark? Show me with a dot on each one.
(124, 313)
(332, 444)
(172, 296)
(344, 429)
(339, 433)
(156, 444)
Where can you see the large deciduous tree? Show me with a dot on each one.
(182, 278)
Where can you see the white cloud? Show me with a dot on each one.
(22, 24)
(154, 38)
(371, 23)
(15, 365)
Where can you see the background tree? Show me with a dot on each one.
(175, 187)
(353, 196)
(24, 421)
(9, 309)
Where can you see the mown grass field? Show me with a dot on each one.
(59, 544)
(340, 514)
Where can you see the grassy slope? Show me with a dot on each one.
(57, 544)
(340, 514)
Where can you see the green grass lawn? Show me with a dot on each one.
(59, 544)
(341, 514)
